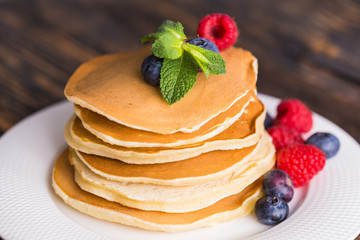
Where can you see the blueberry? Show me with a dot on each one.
(326, 142)
(271, 210)
(150, 69)
(204, 43)
(268, 121)
(278, 183)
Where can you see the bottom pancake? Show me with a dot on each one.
(226, 209)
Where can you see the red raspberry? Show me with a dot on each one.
(220, 29)
(283, 136)
(295, 114)
(301, 162)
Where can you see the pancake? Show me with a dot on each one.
(241, 134)
(226, 209)
(116, 134)
(112, 86)
(170, 198)
(201, 169)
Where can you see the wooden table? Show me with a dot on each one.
(308, 50)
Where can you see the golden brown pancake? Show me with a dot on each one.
(113, 86)
(243, 133)
(117, 134)
(175, 198)
(228, 208)
(205, 167)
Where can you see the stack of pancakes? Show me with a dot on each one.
(136, 160)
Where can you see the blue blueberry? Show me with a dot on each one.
(204, 43)
(268, 121)
(278, 183)
(326, 142)
(150, 69)
(271, 210)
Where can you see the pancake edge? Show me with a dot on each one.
(208, 135)
(244, 209)
(196, 201)
(183, 181)
(163, 156)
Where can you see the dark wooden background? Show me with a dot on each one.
(306, 49)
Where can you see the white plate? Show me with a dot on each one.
(327, 208)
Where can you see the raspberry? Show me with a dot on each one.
(301, 162)
(283, 136)
(295, 114)
(220, 29)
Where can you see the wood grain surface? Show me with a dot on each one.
(307, 49)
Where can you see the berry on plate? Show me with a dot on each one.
(279, 184)
(220, 29)
(283, 136)
(268, 121)
(326, 142)
(150, 69)
(294, 114)
(301, 162)
(271, 210)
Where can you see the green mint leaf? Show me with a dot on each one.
(177, 77)
(149, 37)
(210, 62)
(167, 46)
(174, 28)
(169, 39)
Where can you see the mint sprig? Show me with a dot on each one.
(181, 60)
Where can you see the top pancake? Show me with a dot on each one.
(113, 86)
